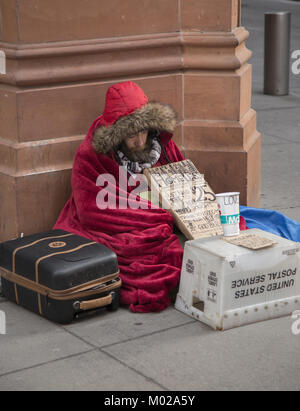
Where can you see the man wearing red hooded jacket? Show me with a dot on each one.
(136, 134)
(132, 134)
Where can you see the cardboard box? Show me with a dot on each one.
(226, 285)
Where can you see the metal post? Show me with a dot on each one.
(277, 53)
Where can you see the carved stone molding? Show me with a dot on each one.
(66, 62)
(25, 159)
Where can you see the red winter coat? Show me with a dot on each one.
(149, 254)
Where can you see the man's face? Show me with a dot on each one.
(136, 143)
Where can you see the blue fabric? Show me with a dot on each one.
(271, 221)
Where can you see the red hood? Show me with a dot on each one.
(121, 100)
(127, 112)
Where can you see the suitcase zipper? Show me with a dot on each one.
(79, 291)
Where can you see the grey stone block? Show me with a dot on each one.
(263, 356)
(31, 340)
(93, 371)
(122, 325)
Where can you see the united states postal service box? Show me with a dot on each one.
(226, 286)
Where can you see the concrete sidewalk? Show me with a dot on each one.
(170, 351)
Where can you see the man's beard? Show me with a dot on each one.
(142, 156)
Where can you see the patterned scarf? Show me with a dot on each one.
(137, 167)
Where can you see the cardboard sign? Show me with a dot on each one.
(183, 191)
(251, 241)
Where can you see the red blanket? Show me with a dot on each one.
(149, 254)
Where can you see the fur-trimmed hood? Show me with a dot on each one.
(128, 112)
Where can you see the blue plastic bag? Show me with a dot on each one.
(271, 221)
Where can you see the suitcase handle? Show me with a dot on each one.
(98, 303)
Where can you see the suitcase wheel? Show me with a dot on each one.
(115, 302)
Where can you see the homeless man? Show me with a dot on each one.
(131, 135)
(135, 134)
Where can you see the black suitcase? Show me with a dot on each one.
(59, 275)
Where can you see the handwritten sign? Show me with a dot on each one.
(183, 191)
